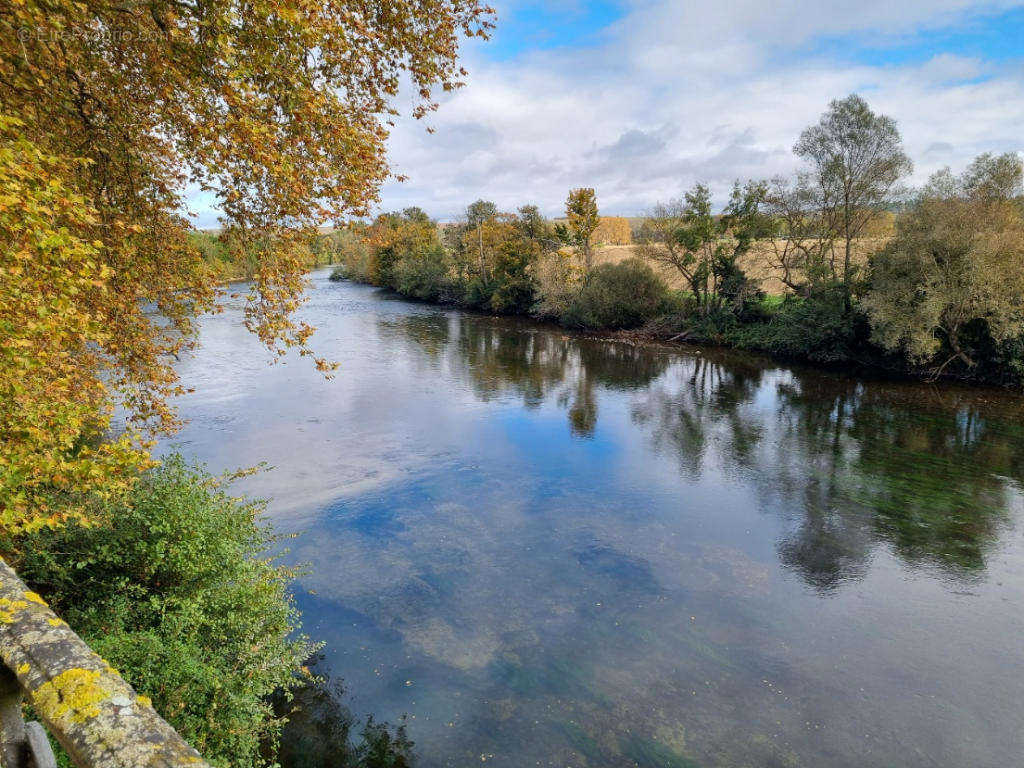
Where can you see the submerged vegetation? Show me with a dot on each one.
(939, 293)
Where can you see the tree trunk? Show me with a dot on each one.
(480, 234)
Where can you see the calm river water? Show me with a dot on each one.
(557, 551)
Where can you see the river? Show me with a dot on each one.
(550, 550)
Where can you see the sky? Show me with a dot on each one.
(641, 99)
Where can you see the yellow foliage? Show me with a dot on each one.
(108, 110)
(55, 313)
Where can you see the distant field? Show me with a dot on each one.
(757, 263)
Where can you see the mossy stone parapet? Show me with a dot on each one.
(88, 707)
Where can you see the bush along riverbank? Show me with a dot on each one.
(939, 294)
(171, 584)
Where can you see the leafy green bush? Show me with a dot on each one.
(513, 296)
(818, 327)
(514, 288)
(477, 293)
(423, 276)
(622, 295)
(174, 589)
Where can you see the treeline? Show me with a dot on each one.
(229, 256)
(928, 282)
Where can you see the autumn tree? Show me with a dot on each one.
(856, 161)
(955, 268)
(581, 210)
(408, 235)
(281, 109)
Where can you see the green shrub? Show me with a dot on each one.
(514, 290)
(818, 327)
(622, 295)
(174, 589)
(477, 293)
(423, 277)
(513, 296)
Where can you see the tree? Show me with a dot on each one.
(802, 237)
(409, 236)
(704, 248)
(109, 109)
(527, 239)
(478, 214)
(857, 161)
(956, 265)
(533, 226)
(581, 209)
(993, 177)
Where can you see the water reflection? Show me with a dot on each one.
(553, 550)
(496, 356)
(928, 475)
(920, 469)
(321, 731)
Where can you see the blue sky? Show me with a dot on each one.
(994, 36)
(536, 26)
(641, 99)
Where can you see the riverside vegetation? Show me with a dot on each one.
(942, 294)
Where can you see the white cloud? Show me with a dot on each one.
(680, 92)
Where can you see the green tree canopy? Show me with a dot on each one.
(857, 161)
(956, 264)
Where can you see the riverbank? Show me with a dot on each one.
(816, 330)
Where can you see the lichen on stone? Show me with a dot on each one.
(72, 696)
(9, 609)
